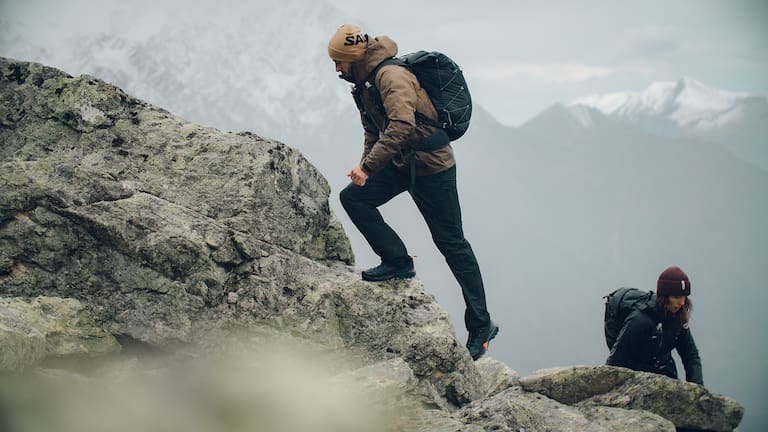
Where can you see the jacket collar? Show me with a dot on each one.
(379, 49)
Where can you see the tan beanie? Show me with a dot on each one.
(348, 44)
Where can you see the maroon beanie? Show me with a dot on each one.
(673, 282)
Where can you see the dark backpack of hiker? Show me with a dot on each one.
(618, 305)
(444, 82)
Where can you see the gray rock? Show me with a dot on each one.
(392, 374)
(75, 142)
(687, 405)
(140, 214)
(21, 344)
(389, 319)
(625, 420)
(167, 231)
(33, 329)
(496, 375)
(438, 421)
(570, 385)
(515, 410)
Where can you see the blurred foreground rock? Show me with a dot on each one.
(124, 226)
(33, 329)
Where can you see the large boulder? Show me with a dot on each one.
(138, 213)
(497, 376)
(515, 409)
(169, 232)
(687, 405)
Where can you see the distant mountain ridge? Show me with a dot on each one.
(687, 101)
(690, 108)
(279, 81)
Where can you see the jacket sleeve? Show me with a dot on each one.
(398, 93)
(689, 354)
(635, 330)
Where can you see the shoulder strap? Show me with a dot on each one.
(370, 84)
(646, 304)
(371, 80)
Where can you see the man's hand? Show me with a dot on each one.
(358, 176)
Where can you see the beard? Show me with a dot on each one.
(346, 77)
(355, 74)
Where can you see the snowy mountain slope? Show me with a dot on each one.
(689, 108)
(689, 103)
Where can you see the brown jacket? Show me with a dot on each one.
(391, 136)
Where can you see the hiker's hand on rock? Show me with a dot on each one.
(358, 176)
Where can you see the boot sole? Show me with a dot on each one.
(402, 275)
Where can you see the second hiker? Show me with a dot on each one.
(643, 337)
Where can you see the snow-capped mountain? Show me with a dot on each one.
(687, 102)
(689, 108)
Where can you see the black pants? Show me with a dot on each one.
(438, 201)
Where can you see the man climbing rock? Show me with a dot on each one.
(391, 164)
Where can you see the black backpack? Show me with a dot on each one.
(443, 81)
(618, 305)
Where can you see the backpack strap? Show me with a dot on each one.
(436, 141)
(647, 305)
(357, 96)
(370, 84)
(433, 142)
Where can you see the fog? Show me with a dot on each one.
(289, 387)
(558, 215)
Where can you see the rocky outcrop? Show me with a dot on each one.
(687, 405)
(122, 223)
(145, 216)
(167, 231)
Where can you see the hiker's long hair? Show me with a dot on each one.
(683, 316)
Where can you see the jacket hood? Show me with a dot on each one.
(379, 49)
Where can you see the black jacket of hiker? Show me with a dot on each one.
(646, 341)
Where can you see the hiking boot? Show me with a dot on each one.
(383, 272)
(478, 341)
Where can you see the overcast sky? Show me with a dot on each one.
(522, 56)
